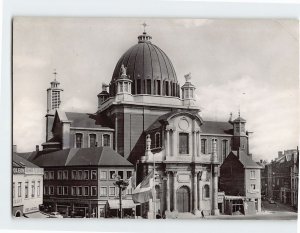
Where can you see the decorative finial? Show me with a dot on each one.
(230, 118)
(55, 73)
(123, 69)
(239, 112)
(145, 25)
(188, 77)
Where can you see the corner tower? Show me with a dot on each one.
(240, 137)
(53, 103)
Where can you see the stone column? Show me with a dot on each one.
(259, 205)
(199, 144)
(215, 210)
(194, 144)
(167, 143)
(168, 196)
(174, 192)
(174, 142)
(195, 193)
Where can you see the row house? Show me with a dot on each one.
(80, 181)
(27, 187)
(282, 177)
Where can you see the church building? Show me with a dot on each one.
(147, 117)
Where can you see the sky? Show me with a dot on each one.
(246, 65)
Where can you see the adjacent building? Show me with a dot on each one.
(240, 180)
(27, 186)
(79, 181)
(282, 177)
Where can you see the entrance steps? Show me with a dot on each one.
(186, 215)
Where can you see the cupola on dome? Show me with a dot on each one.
(149, 69)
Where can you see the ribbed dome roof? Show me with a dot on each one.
(146, 61)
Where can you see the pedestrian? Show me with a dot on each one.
(202, 214)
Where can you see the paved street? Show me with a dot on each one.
(276, 211)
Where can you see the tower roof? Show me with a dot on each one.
(239, 119)
(145, 60)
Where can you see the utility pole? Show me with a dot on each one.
(122, 185)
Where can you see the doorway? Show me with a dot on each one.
(183, 199)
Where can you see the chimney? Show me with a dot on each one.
(37, 148)
(15, 148)
(280, 154)
(261, 161)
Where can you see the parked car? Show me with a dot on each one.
(55, 215)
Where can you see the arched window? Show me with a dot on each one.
(157, 140)
(138, 86)
(92, 140)
(167, 88)
(203, 145)
(224, 148)
(78, 140)
(206, 191)
(106, 140)
(183, 143)
(148, 86)
(158, 92)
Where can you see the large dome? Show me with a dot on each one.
(149, 68)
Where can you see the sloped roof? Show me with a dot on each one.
(239, 119)
(245, 159)
(216, 127)
(19, 161)
(86, 120)
(97, 156)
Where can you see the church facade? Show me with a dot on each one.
(149, 119)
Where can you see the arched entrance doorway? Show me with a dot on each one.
(18, 214)
(183, 199)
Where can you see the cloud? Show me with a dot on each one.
(76, 104)
(271, 114)
(191, 23)
(29, 62)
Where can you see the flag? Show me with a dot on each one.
(143, 192)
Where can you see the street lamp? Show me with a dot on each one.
(122, 185)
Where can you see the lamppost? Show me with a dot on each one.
(122, 185)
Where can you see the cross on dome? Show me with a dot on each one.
(55, 73)
(145, 25)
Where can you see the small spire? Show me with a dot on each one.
(230, 117)
(55, 73)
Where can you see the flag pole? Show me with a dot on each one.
(154, 193)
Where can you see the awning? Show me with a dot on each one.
(36, 215)
(234, 197)
(126, 204)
